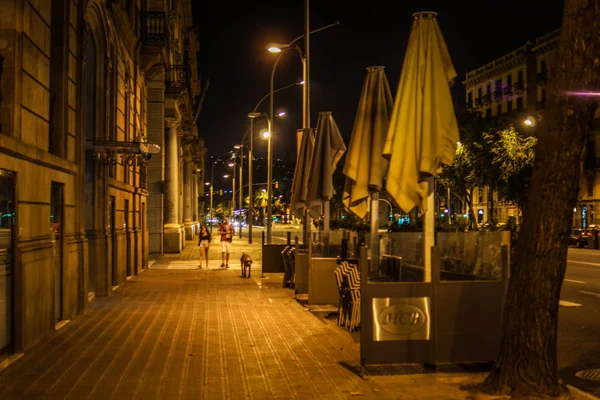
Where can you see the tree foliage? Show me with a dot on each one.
(493, 154)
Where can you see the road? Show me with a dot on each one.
(579, 319)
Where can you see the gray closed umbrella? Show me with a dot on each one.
(329, 148)
(300, 183)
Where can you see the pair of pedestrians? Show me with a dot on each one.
(226, 231)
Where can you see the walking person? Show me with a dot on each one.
(226, 231)
(204, 243)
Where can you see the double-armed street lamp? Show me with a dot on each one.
(253, 115)
(304, 57)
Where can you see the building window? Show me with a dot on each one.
(520, 76)
(509, 80)
(499, 109)
(469, 99)
(509, 106)
(480, 195)
(519, 103)
(479, 92)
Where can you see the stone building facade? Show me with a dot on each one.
(515, 84)
(99, 155)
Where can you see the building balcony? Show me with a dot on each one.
(154, 28)
(508, 91)
(498, 95)
(542, 78)
(177, 79)
(478, 102)
(486, 98)
(518, 87)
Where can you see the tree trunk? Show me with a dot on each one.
(527, 362)
(472, 215)
(491, 216)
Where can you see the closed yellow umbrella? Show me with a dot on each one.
(423, 132)
(365, 166)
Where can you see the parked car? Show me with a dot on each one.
(580, 237)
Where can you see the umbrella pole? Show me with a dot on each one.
(429, 231)
(374, 231)
(306, 227)
(326, 219)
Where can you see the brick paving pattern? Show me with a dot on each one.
(173, 333)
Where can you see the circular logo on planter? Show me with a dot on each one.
(402, 319)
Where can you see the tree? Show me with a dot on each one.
(493, 154)
(527, 362)
(260, 201)
(512, 156)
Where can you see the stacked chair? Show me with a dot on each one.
(289, 263)
(348, 282)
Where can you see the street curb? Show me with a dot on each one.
(582, 393)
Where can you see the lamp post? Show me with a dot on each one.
(304, 57)
(240, 147)
(233, 165)
(212, 174)
(252, 116)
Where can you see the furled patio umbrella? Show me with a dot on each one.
(329, 148)
(423, 131)
(300, 182)
(365, 166)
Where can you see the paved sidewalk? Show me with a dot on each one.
(189, 257)
(174, 333)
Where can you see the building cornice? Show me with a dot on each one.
(499, 66)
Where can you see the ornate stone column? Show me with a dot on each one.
(172, 228)
(187, 196)
(195, 219)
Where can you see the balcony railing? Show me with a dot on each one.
(540, 105)
(154, 28)
(508, 90)
(542, 77)
(518, 87)
(177, 78)
(498, 94)
(478, 102)
(486, 98)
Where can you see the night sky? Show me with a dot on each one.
(233, 56)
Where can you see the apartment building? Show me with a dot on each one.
(515, 85)
(99, 155)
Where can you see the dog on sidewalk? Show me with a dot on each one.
(246, 263)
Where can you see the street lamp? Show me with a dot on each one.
(252, 116)
(212, 174)
(304, 58)
(240, 147)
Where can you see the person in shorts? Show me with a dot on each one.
(204, 244)
(226, 231)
